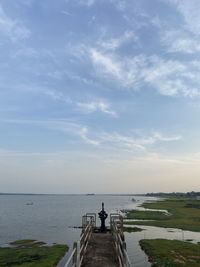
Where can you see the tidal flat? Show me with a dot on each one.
(183, 213)
(31, 253)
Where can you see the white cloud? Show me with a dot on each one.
(65, 126)
(126, 70)
(131, 143)
(168, 77)
(73, 129)
(87, 3)
(66, 13)
(106, 63)
(171, 77)
(135, 143)
(184, 35)
(85, 107)
(180, 41)
(117, 42)
(119, 4)
(57, 96)
(93, 106)
(190, 11)
(14, 29)
(160, 137)
(83, 133)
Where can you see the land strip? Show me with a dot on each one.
(183, 213)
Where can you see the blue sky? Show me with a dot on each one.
(99, 96)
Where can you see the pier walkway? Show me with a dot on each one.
(100, 249)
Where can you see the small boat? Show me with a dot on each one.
(29, 203)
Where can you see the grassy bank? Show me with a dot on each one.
(184, 214)
(171, 253)
(30, 253)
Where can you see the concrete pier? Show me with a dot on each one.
(100, 251)
(100, 247)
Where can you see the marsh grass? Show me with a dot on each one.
(31, 253)
(171, 253)
(184, 214)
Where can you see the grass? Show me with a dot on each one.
(31, 253)
(171, 253)
(184, 214)
(146, 215)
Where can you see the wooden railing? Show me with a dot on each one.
(76, 257)
(116, 226)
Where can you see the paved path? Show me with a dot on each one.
(100, 251)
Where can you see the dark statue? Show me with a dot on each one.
(103, 215)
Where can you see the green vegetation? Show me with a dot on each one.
(184, 214)
(132, 229)
(171, 253)
(31, 253)
(191, 194)
(146, 215)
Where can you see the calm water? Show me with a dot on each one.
(51, 217)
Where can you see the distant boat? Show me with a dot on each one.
(133, 199)
(91, 194)
(29, 203)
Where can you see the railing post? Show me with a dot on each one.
(75, 254)
(78, 254)
(124, 245)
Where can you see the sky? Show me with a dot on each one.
(99, 96)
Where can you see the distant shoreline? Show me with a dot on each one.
(86, 194)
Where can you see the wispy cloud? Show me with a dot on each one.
(97, 105)
(125, 70)
(119, 4)
(61, 125)
(173, 78)
(66, 13)
(14, 29)
(93, 106)
(168, 77)
(180, 41)
(160, 137)
(87, 3)
(116, 42)
(190, 12)
(57, 95)
(131, 143)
